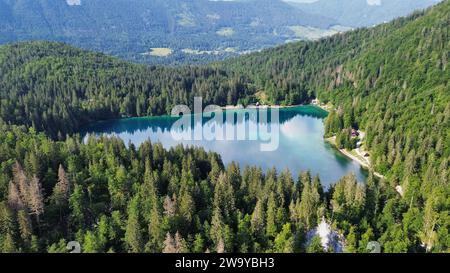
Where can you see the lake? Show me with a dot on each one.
(301, 144)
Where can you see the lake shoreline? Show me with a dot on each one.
(300, 144)
(364, 163)
(238, 107)
(224, 108)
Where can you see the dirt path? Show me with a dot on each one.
(363, 161)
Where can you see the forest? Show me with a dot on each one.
(116, 199)
(129, 29)
(392, 81)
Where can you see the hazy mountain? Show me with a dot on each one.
(360, 13)
(180, 31)
(195, 29)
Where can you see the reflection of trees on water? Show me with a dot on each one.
(164, 123)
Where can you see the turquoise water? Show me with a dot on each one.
(301, 144)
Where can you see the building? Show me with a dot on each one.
(355, 133)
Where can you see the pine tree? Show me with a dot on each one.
(351, 241)
(14, 198)
(170, 205)
(257, 221)
(133, 232)
(36, 198)
(199, 243)
(60, 196)
(217, 227)
(18, 188)
(224, 200)
(284, 241)
(244, 239)
(9, 246)
(309, 204)
(180, 243)
(187, 206)
(26, 229)
(174, 244)
(155, 231)
(428, 234)
(91, 243)
(315, 246)
(61, 191)
(372, 196)
(169, 244)
(77, 205)
(220, 246)
(271, 220)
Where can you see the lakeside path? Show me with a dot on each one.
(364, 162)
(358, 155)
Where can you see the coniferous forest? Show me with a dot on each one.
(390, 81)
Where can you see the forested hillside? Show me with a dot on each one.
(189, 31)
(57, 88)
(111, 198)
(391, 81)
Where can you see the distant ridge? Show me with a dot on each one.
(131, 28)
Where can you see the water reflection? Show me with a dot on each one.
(301, 146)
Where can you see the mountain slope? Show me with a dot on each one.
(363, 13)
(61, 88)
(392, 80)
(195, 30)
